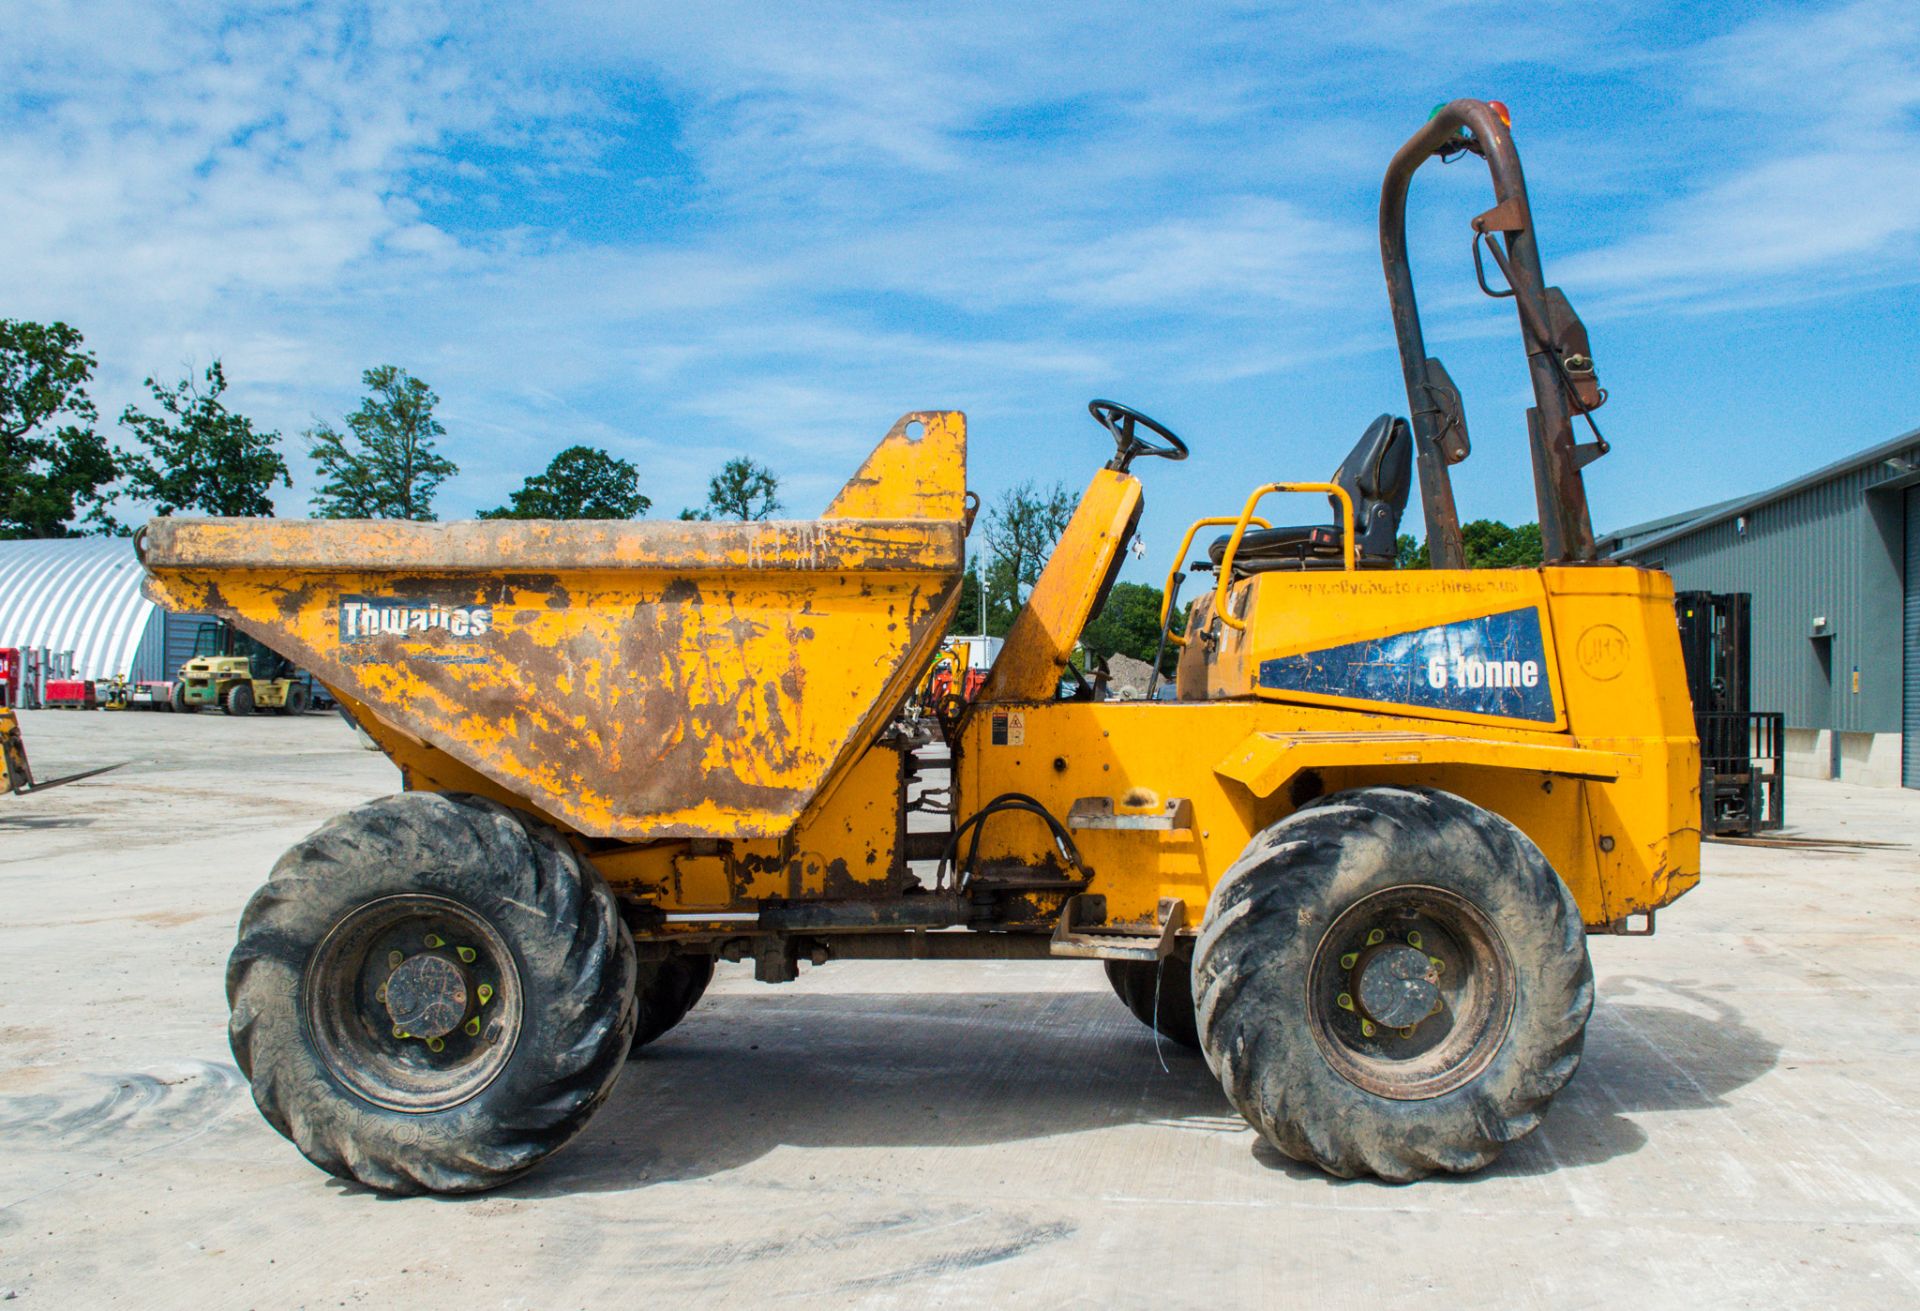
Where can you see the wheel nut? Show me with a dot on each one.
(473, 1027)
(1366, 1028)
(394, 958)
(485, 992)
(399, 1032)
(469, 955)
(1348, 961)
(1344, 1001)
(435, 940)
(1375, 938)
(436, 1044)
(1408, 1031)
(1413, 939)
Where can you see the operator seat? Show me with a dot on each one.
(1377, 474)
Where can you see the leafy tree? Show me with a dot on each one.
(967, 615)
(1489, 544)
(582, 482)
(200, 455)
(1020, 531)
(743, 489)
(53, 464)
(384, 466)
(1128, 623)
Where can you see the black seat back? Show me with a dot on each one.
(1378, 475)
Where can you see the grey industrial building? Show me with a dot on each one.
(1832, 563)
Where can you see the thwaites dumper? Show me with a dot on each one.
(1354, 861)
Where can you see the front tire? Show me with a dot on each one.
(239, 699)
(1392, 982)
(664, 991)
(1160, 995)
(431, 994)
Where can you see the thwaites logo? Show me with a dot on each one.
(363, 618)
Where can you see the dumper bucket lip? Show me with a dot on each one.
(902, 546)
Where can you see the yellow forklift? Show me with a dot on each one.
(238, 673)
(1354, 862)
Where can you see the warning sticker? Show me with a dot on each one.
(1009, 728)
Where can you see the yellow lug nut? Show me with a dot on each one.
(467, 954)
(435, 940)
(473, 1027)
(395, 957)
(1366, 1028)
(436, 1044)
(1347, 961)
(1413, 939)
(1376, 937)
(1437, 963)
(1407, 1032)
(1344, 1001)
(486, 993)
(399, 1032)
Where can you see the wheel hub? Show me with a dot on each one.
(426, 996)
(1396, 985)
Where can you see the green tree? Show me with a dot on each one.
(743, 489)
(1489, 544)
(54, 465)
(1128, 623)
(1020, 531)
(200, 455)
(582, 482)
(968, 614)
(384, 466)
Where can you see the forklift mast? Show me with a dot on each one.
(1556, 342)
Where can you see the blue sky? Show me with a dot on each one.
(684, 231)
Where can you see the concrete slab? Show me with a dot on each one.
(1745, 1130)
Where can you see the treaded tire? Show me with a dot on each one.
(575, 971)
(1255, 979)
(238, 700)
(1134, 982)
(664, 991)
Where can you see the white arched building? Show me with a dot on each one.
(81, 595)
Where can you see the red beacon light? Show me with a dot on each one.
(1499, 107)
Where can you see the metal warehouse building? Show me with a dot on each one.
(1832, 562)
(82, 595)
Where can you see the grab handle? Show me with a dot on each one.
(1225, 578)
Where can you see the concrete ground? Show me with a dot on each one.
(1745, 1130)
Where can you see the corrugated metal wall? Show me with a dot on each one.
(80, 595)
(1910, 760)
(1833, 550)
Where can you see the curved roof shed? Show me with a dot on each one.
(82, 594)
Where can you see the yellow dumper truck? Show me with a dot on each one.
(1354, 861)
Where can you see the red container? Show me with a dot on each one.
(9, 676)
(71, 694)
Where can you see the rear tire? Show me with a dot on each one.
(664, 991)
(1167, 983)
(1320, 939)
(296, 702)
(239, 699)
(318, 972)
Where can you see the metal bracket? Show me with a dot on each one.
(1118, 944)
(1101, 813)
(1619, 928)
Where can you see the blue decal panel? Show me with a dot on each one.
(1492, 665)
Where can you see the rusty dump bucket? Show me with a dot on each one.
(629, 680)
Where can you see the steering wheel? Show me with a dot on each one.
(1121, 421)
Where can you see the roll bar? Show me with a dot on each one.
(1557, 353)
